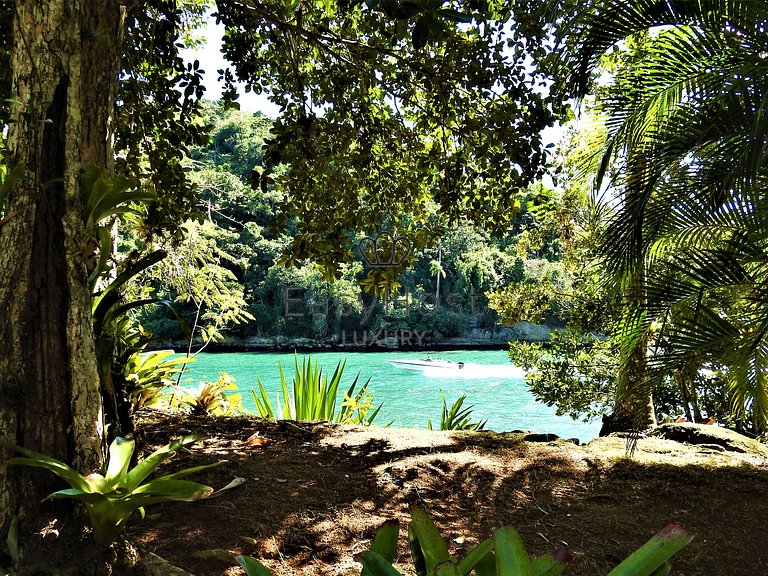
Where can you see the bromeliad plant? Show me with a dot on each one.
(212, 398)
(501, 555)
(148, 374)
(312, 397)
(110, 499)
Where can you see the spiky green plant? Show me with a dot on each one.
(456, 417)
(313, 397)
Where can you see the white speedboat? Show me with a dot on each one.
(427, 363)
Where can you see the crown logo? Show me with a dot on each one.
(384, 250)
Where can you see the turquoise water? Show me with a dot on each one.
(493, 385)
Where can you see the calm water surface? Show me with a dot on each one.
(493, 385)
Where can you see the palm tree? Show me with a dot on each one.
(687, 133)
(436, 269)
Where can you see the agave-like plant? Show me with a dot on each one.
(456, 417)
(312, 396)
(111, 498)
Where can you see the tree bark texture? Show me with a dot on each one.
(633, 406)
(64, 65)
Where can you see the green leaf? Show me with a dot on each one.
(417, 554)
(390, 6)
(653, 554)
(148, 465)
(108, 519)
(98, 484)
(253, 567)
(120, 453)
(434, 26)
(420, 34)
(105, 251)
(428, 539)
(447, 569)
(12, 541)
(475, 555)
(385, 542)
(137, 267)
(263, 405)
(34, 459)
(375, 565)
(115, 312)
(551, 564)
(511, 556)
(455, 16)
(486, 566)
(76, 494)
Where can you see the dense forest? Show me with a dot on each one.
(227, 282)
(239, 243)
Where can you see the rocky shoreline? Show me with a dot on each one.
(378, 341)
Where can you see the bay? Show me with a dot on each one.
(409, 398)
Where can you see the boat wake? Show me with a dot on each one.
(479, 372)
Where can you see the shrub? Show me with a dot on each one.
(148, 374)
(313, 397)
(211, 398)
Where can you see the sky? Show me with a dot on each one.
(211, 59)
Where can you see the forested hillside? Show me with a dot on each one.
(240, 242)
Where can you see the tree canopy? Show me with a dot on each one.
(390, 108)
(242, 222)
(394, 116)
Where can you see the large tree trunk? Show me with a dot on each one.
(64, 64)
(633, 408)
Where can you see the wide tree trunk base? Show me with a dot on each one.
(619, 422)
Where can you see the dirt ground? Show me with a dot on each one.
(314, 495)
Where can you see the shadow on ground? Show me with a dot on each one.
(314, 495)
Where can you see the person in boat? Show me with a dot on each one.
(428, 358)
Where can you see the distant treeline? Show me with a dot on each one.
(443, 294)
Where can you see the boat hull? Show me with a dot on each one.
(422, 365)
